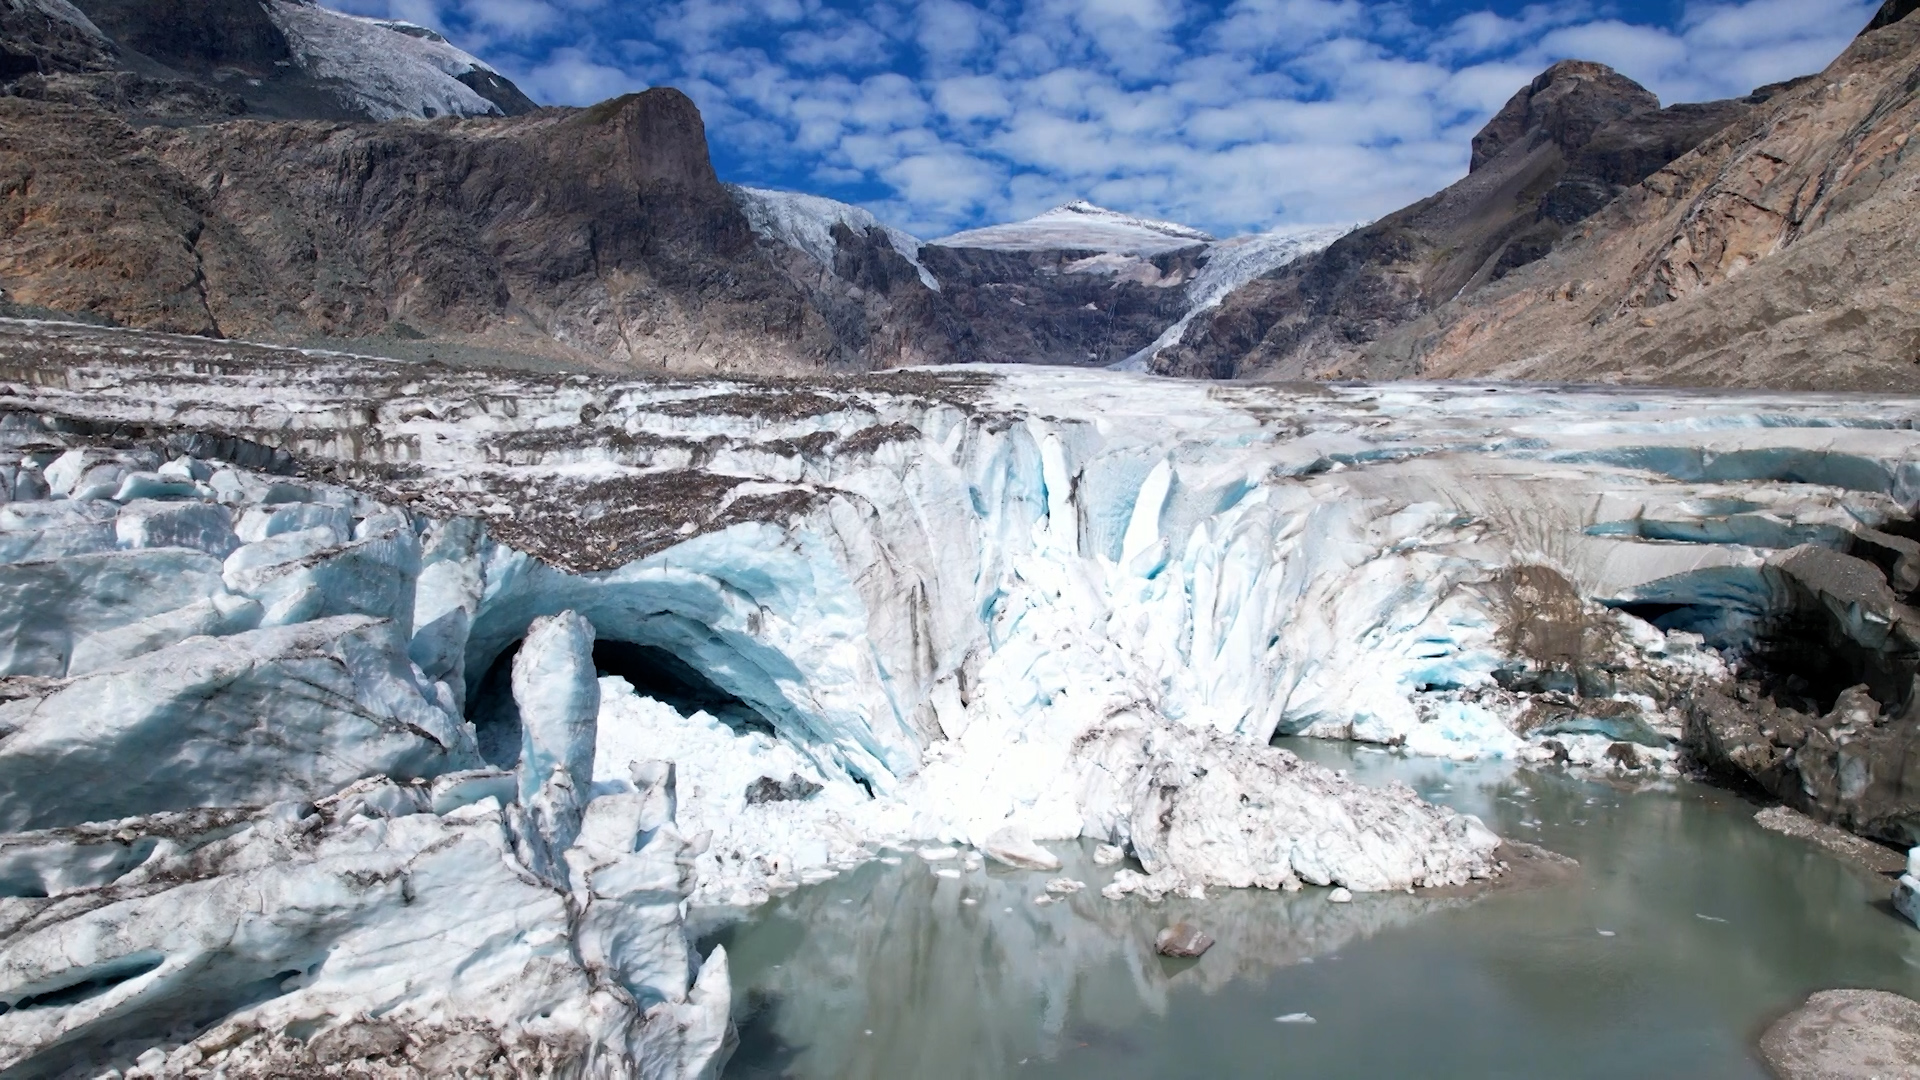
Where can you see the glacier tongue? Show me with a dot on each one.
(523, 664)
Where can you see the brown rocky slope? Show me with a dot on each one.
(1562, 148)
(1775, 253)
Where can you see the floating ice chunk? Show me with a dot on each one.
(948, 872)
(1013, 845)
(1340, 896)
(1906, 896)
(1223, 813)
(1108, 854)
(938, 854)
(1294, 1018)
(1062, 886)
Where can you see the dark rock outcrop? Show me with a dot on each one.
(1060, 306)
(1829, 721)
(1561, 148)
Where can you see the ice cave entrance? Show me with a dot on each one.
(652, 671)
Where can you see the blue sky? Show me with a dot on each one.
(1231, 115)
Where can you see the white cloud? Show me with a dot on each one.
(945, 114)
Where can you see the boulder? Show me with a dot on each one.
(1846, 1035)
(1183, 940)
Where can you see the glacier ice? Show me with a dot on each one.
(389, 69)
(806, 222)
(972, 611)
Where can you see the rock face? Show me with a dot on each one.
(324, 230)
(1846, 1035)
(1562, 148)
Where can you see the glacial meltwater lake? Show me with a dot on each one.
(1713, 927)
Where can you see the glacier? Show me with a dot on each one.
(492, 678)
(390, 69)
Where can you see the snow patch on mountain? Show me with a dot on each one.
(1082, 226)
(388, 69)
(806, 222)
(1230, 264)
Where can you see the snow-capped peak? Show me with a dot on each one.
(1082, 210)
(1082, 226)
(390, 70)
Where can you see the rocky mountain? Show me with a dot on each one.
(1775, 254)
(401, 197)
(390, 206)
(1755, 242)
(1561, 148)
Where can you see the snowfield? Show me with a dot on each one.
(1082, 226)
(525, 665)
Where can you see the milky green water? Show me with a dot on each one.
(1716, 927)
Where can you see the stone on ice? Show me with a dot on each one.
(280, 713)
(768, 790)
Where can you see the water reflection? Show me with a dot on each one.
(905, 944)
(1716, 926)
